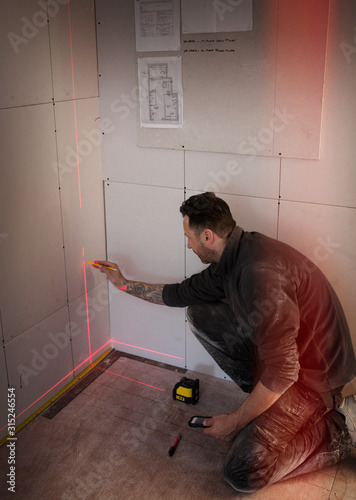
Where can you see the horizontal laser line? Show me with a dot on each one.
(145, 349)
(133, 380)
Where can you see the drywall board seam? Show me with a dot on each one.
(232, 174)
(24, 106)
(319, 204)
(25, 51)
(31, 219)
(77, 99)
(30, 326)
(46, 45)
(60, 193)
(79, 164)
(108, 181)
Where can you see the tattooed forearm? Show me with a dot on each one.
(145, 291)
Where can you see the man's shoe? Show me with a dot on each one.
(348, 409)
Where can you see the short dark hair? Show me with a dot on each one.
(207, 211)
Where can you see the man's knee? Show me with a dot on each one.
(196, 315)
(242, 479)
(203, 315)
(249, 465)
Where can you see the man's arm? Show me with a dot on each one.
(226, 426)
(146, 291)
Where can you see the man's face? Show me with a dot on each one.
(197, 243)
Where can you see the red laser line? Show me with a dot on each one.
(106, 343)
(55, 385)
(72, 371)
(87, 308)
(133, 380)
(74, 102)
(144, 349)
(89, 358)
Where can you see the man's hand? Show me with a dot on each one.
(227, 425)
(145, 291)
(223, 426)
(116, 277)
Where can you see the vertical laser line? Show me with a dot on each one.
(87, 309)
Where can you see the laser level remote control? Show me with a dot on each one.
(198, 422)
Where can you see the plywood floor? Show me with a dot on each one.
(112, 441)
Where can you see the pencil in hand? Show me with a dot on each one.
(98, 265)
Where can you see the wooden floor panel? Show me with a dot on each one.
(112, 442)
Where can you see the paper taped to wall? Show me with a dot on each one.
(161, 96)
(157, 25)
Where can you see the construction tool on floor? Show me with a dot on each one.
(187, 390)
(173, 448)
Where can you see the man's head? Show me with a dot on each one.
(207, 222)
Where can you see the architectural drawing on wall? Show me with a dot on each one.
(157, 24)
(160, 86)
(163, 102)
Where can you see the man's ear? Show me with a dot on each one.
(208, 236)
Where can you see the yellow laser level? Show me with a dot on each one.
(187, 390)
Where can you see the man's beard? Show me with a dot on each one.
(206, 256)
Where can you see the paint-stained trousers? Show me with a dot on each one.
(296, 435)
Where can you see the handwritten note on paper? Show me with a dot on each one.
(157, 24)
(209, 45)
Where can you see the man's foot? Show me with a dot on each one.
(348, 409)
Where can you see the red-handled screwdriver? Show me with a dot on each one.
(172, 449)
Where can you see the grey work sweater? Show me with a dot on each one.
(284, 304)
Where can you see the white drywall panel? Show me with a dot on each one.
(301, 54)
(332, 179)
(3, 392)
(25, 51)
(122, 160)
(81, 193)
(148, 330)
(89, 315)
(198, 358)
(252, 214)
(263, 86)
(73, 49)
(145, 238)
(32, 262)
(228, 88)
(326, 235)
(39, 361)
(255, 176)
